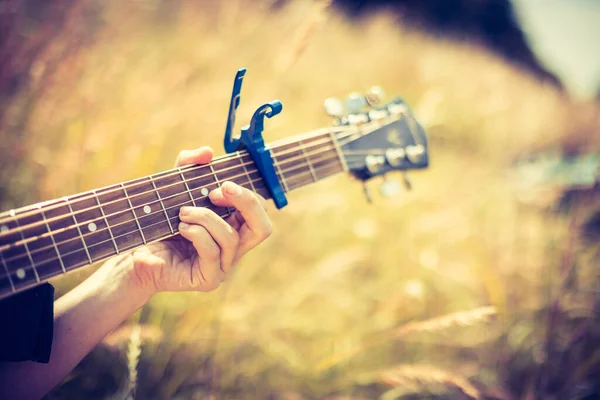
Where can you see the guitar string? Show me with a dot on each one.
(46, 221)
(177, 171)
(339, 130)
(237, 154)
(108, 228)
(227, 157)
(132, 210)
(105, 216)
(41, 263)
(167, 234)
(93, 196)
(171, 173)
(171, 218)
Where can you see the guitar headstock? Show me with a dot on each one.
(378, 138)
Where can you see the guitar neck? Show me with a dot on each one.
(47, 239)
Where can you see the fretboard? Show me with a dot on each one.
(47, 239)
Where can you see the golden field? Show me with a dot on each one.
(452, 290)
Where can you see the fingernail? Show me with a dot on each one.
(183, 226)
(231, 188)
(185, 210)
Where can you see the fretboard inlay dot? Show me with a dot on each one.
(147, 209)
(3, 228)
(20, 273)
(92, 227)
(204, 191)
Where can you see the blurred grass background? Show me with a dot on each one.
(453, 290)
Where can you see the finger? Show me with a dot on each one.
(202, 155)
(262, 201)
(223, 234)
(218, 199)
(235, 220)
(208, 275)
(257, 226)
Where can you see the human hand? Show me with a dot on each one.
(208, 247)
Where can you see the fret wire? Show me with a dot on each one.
(125, 234)
(217, 181)
(62, 265)
(282, 178)
(296, 167)
(12, 285)
(228, 213)
(133, 212)
(219, 184)
(121, 223)
(106, 222)
(79, 230)
(37, 277)
(127, 221)
(274, 145)
(248, 176)
(312, 171)
(240, 155)
(124, 211)
(11, 214)
(161, 203)
(187, 188)
(339, 152)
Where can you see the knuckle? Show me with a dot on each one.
(211, 253)
(254, 198)
(267, 230)
(247, 196)
(234, 238)
(197, 233)
(211, 285)
(200, 215)
(180, 157)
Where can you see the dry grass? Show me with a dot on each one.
(337, 271)
(422, 379)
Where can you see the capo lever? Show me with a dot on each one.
(251, 139)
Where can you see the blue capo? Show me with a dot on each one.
(251, 139)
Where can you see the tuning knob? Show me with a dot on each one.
(389, 188)
(406, 181)
(355, 102)
(416, 153)
(334, 107)
(374, 163)
(375, 95)
(395, 156)
(367, 192)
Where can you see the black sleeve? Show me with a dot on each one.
(26, 325)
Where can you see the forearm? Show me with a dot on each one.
(82, 318)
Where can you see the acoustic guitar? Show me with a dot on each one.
(47, 239)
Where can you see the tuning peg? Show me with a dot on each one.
(389, 188)
(406, 182)
(367, 192)
(375, 95)
(334, 107)
(355, 102)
